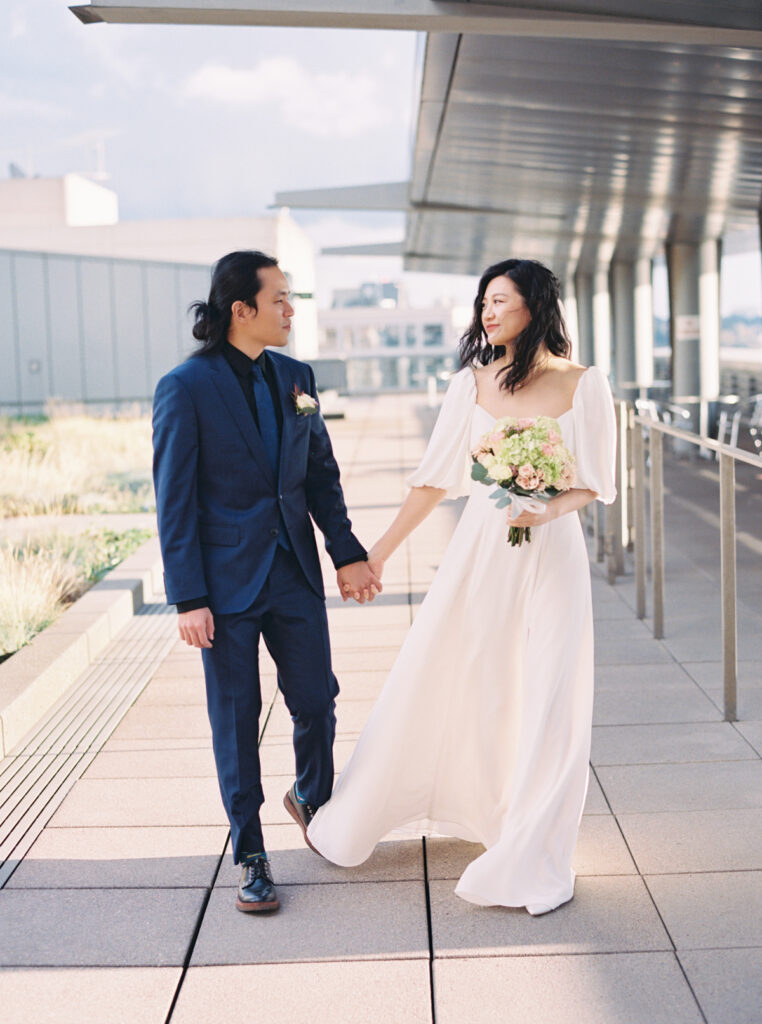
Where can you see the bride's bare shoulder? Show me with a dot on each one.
(566, 370)
(575, 369)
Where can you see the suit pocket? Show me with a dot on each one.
(227, 536)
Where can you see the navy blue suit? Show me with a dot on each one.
(220, 512)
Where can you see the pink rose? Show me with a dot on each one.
(547, 449)
(553, 436)
(525, 423)
(528, 481)
(496, 438)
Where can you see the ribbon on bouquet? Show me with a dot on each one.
(524, 503)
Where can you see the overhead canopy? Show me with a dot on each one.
(581, 149)
(574, 133)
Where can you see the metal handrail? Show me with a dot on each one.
(728, 456)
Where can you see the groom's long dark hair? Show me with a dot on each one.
(541, 292)
(235, 278)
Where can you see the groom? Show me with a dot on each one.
(242, 460)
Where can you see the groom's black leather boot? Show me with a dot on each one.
(256, 890)
(301, 813)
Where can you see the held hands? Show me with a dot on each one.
(358, 581)
(196, 627)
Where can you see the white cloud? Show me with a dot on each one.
(18, 26)
(324, 104)
(22, 106)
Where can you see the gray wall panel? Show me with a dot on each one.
(192, 285)
(65, 358)
(97, 332)
(9, 380)
(93, 328)
(32, 326)
(161, 298)
(130, 342)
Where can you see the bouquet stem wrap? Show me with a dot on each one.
(522, 503)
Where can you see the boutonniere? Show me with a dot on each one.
(304, 404)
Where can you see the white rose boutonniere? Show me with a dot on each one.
(304, 404)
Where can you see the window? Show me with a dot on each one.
(433, 335)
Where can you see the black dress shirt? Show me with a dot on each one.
(241, 365)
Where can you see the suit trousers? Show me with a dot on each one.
(292, 620)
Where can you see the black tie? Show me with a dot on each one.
(268, 423)
(268, 430)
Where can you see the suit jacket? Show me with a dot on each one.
(218, 503)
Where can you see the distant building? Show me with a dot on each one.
(96, 308)
(385, 345)
(371, 293)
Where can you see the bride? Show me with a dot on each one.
(482, 729)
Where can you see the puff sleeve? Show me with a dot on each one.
(595, 435)
(447, 460)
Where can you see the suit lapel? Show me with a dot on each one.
(230, 392)
(284, 387)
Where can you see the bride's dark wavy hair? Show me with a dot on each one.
(235, 278)
(541, 292)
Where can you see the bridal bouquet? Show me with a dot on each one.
(528, 461)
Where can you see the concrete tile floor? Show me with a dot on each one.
(133, 870)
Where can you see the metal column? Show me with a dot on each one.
(644, 325)
(583, 284)
(602, 321)
(623, 294)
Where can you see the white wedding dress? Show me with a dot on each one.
(482, 729)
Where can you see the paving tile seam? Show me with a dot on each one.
(714, 949)
(95, 965)
(667, 722)
(196, 824)
(107, 888)
(110, 887)
(746, 739)
(326, 881)
(677, 764)
(505, 954)
(370, 958)
(564, 955)
(716, 871)
(127, 778)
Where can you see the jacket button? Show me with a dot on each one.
(274, 531)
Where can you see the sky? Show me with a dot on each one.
(199, 121)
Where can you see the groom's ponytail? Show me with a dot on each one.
(234, 278)
(205, 315)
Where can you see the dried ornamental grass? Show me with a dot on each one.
(39, 577)
(75, 464)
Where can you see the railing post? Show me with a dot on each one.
(657, 529)
(611, 523)
(597, 532)
(728, 562)
(617, 519)
(630, 484)
(639, 501)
